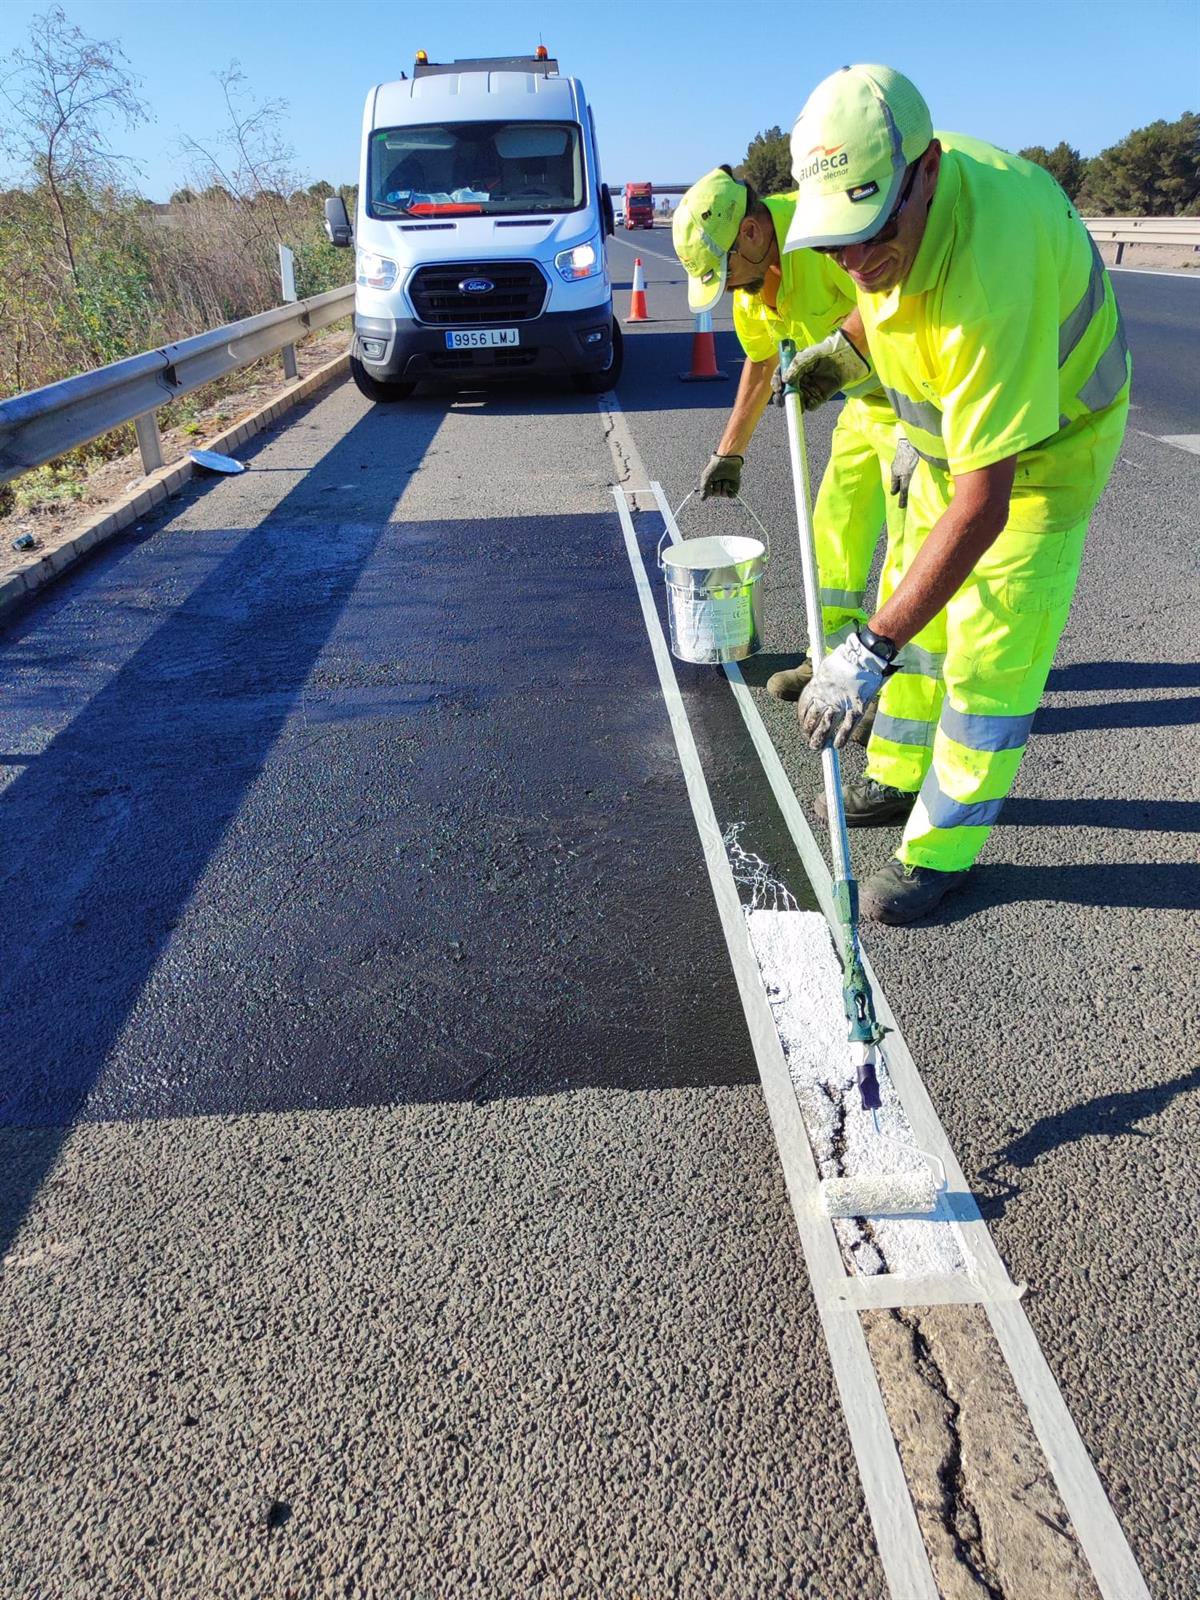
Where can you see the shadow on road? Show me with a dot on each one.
(1136, 816)
(757, 669)
(1139, 885)
(1181, 712)
(119, 815)
(1109, 1116)
(654, 361)
(1088, 677)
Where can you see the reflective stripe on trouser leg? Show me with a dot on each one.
(848, 518)
(901, 743)
(1002, 628)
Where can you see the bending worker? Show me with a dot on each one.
(985, 312)
(729, 239)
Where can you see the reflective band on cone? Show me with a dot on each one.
(637, 300)
(704, 353)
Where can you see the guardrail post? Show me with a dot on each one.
(287, 284)
(149, 441)
(1120, 252)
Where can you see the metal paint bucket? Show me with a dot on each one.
(713, 602)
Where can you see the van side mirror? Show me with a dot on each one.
(606, 210)
(337, 223)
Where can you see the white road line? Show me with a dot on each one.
(661, 254)
(1178, 441)
(897, 1534)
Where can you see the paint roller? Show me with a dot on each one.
(914, 1189)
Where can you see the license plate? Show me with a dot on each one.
(481, 338)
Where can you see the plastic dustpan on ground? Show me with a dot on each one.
(210, 461)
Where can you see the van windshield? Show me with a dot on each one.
(475, 169)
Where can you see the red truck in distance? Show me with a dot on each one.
(639, 205)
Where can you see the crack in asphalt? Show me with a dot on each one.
(957, 1511)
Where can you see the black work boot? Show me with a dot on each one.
(790, 685)
(862, 733)
(900, 894)
(870, 805)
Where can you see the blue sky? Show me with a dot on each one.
(676, 88)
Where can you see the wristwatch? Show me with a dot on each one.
(886, 649)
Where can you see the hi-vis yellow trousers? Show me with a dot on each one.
(954, 723)
(851, 508)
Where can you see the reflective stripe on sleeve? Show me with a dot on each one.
(921, 413)
(902, 730)
(984, 732)
(944, 811)
(1078, 322)
(1112, 369)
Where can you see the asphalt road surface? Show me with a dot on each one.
(390, 1207)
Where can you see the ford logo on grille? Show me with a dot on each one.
(476, 286)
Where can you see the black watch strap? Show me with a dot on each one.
(886, 649)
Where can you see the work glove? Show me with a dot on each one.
(904, 464)
(842, 688)
(722, 477)
(821, 371)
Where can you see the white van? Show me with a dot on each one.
(480, 230)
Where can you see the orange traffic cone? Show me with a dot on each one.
(637, 300)
(704, 353)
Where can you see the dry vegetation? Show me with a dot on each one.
(91, 272)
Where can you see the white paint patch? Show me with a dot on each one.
(800, 969)
(1181, 441)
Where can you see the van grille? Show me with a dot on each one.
(458, 360)
(519, 295)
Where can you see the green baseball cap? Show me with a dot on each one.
(859, 129)
(703, 231)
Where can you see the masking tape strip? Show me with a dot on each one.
(898, 1536)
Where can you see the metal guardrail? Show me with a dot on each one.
(45, 423)
(1183, 231)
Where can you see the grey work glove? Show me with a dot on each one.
(842, 688)
(823, 370)
(722, 477)
(904, 464)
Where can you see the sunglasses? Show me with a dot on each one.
(890, 228)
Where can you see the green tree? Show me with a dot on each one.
(1063, 163)
(768, 162)
(63, 91)
(321, 190)
(1153, 172)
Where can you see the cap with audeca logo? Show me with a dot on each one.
(859, 130)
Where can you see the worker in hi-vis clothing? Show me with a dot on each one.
(728, 238)
(985, 312)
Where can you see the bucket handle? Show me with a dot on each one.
(737, 500)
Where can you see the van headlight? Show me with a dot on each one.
(584, 261)
(376, 272)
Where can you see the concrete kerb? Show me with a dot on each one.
(159, 486)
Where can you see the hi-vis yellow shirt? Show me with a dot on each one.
(1005, 338)
(815, 295)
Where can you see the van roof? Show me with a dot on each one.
(476, 97)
